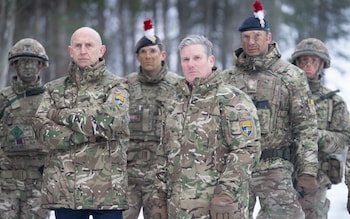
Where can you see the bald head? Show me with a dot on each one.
(86, 47)
(87, 31)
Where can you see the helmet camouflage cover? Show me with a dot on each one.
(312, 46)
(28, 48)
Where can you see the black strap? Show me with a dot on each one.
(327, 95)
(283, 152)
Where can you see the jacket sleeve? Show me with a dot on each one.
(304, 123)
(336, 137)
(48, 132)
(100, 120)
(241, 130)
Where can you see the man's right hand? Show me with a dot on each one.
(159, 209)
(306, 184)
(222, 206)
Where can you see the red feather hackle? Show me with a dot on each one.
(147, 24)
(258, 6)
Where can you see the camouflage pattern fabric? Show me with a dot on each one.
(84, 118)
(288, 124)
(274, 180)
(210, 141)
(21, 155)
(347, 174)
(334, 137)
(147, 96)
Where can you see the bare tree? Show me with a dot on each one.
(7, 26)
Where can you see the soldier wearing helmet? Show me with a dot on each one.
(21, 155)
(311, 55)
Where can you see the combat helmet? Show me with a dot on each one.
(312, 46)
(30, 48)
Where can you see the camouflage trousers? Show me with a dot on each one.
(277, 196)
(24, 204)
(315, 204)
(139, 194)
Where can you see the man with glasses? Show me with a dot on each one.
(287, 120)
(21, 155)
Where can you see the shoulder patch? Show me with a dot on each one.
(119, 99)
(312, 106)
(246, 128)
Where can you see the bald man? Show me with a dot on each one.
(83, 119)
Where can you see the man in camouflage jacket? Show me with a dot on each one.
(210, 139)
(21, 156)
(83, 119)
(287, 120)
(150, 87)
(311, 55)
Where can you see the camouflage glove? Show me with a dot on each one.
(158, 209)
(306, 184)
(221, 206)
(348, 204)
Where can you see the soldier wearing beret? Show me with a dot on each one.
(287, 118)
(150, 87)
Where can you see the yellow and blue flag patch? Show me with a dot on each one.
(119, 99)
(246, 128)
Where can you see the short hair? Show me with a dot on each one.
(197, 39)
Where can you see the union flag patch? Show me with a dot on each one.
(246, 128)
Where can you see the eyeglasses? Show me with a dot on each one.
(313, 60)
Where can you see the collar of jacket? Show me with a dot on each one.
(257, 63)
(314, 84)
(20, 88)
(143, 78)
(80, 76)
(204, 85)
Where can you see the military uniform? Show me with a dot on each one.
(211, 143)
(333, 128)
(21, 155)
(287, 118)
(147, 96)
(84, 118)
(347, 175)
(334, 138)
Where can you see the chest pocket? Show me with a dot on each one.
(265, 89)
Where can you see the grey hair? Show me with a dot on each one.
(197, 39)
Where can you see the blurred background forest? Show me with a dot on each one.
(120, 23)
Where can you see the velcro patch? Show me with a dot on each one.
(246, 128)
(119, 99)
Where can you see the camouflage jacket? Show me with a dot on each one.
(84, 120)
(286, 111)
(210, 140)
(333, 127)
(147, 96)
(21, 154)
